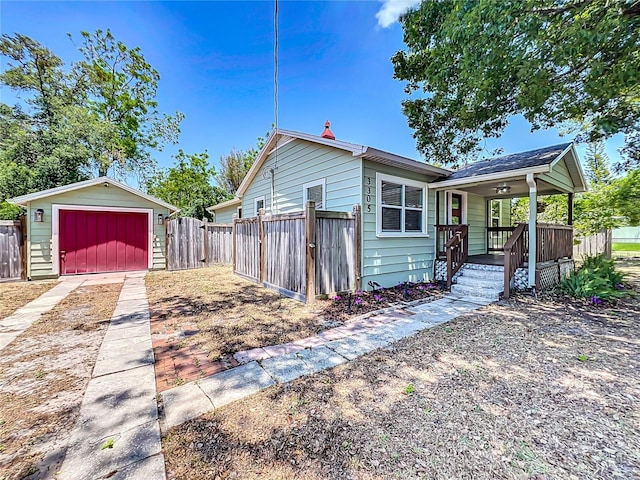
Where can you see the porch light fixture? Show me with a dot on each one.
(160, 219)
(500, 189)
(38, 215)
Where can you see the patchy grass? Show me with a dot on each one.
(14, 295)
(626, 247)
(505, 393)
(222, 313)
(43, 375)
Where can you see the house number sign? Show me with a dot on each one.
(367, 194)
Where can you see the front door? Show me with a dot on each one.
(455, 217)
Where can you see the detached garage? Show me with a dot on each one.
(95, 226)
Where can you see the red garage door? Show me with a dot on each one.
(92, 242)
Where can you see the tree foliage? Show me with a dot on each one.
(70, 122)
(609, 203)
(188, 185)
(471, 65)
(235, 165)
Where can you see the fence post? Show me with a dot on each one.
(166, 243)
(23, 247)
(261, 245)
(357, 250)
(205, 229)
(310, 242)
(233, 239)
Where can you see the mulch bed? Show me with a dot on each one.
(346, 306)
(526, 389)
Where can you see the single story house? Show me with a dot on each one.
(95, 226)
(416, 216)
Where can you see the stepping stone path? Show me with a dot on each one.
(117, 435)
(260, 368)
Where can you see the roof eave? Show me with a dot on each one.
(228, 203)
(23, 200)
(487, 177)
(374, 155)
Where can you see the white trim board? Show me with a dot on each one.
(55, 228)
(315, 183)
(464, 205)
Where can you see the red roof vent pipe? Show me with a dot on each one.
(328, 133)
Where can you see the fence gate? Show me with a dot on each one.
(219, 243)
(246, 253)
(335, 253)
(284, 254)
(12, 249)
(185, 244)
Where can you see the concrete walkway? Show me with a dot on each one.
(24, 317)
(117, 435)
(196, 398)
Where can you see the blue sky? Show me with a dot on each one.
(216, 65)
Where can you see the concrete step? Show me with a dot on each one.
(464, 290)
(480, 282)
(482, 274)
(488, 268)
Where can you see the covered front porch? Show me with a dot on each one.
(474, 224)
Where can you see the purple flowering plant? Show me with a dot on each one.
(596, 301)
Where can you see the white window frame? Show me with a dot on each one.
(380, 177)
(315, 183)
(255, 203)
(464, 205)
(55, 228)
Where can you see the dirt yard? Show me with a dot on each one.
(213, 310)
(43, 375)
(14, 295)
(521, 390)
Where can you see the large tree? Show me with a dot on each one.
(121, 88)
(70, 122)
(188, 185)
(473, 64)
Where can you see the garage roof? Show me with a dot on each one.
(24, 199)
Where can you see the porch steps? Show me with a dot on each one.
(480, 281)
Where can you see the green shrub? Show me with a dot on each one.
(596, 280)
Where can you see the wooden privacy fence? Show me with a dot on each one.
(13, 258)
(192, 243)
(301, 254)
(593, 245)
(246, 247)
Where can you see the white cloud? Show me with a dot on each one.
(391, 10)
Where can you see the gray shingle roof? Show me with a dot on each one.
(516, 161)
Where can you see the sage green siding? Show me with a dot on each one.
(300, 162)
(39, 235)
(477, 221)
(225, 214)
(559, 177)
(389, 260)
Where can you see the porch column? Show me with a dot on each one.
(533, 210)
(569, 208)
